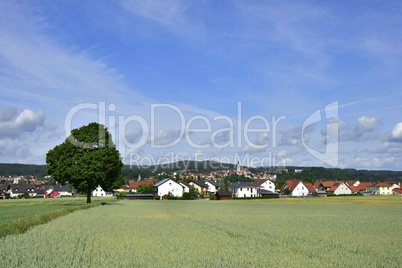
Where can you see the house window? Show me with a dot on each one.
(170, 184)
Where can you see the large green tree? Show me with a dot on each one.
(86, 159)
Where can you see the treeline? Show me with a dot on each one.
(320, 173)
(22, 170)
(181, 167)
(132, 172)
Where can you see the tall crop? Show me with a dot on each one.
(212, 234)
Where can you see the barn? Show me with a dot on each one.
(223, 196)
(139, 196)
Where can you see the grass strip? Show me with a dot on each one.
(22, 225)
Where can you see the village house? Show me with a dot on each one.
(199, 185)
(62, 189)
(324, 185)
(99, 192)
(397, 191)
(297, 188)
(340, 188)
(382, 188)
(54, 194)
(134, 185)
(212, 187)
(265, 184)
(186, 186)
(20, 189)
(167, 185)
(243, 189)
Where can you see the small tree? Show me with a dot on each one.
(287, 191)
(194, 193)
(145, 189)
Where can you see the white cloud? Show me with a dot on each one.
(27, 121)
(364, 126)
(396, 134)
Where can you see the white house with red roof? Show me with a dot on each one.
(297, 187)
(382, 188)
(340, 188)
(134, 185)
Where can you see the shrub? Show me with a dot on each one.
(186, 196)
(194, 193)
(170, 196)
(157, 197)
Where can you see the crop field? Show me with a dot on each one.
(267, 233)
(15, 212)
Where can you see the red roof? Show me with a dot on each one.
(135, 184)
(363, 186)
(328, 184)
(354, 189)
(381, 184)
(310, 187)
(54, 194)
(398, 190)
(291, 185)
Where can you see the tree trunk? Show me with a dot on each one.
(89, 196)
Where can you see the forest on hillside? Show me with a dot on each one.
(182, 167)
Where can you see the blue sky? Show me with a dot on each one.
(184, 79)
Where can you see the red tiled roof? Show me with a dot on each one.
(398, 190)
(354, 189)
(381, 184)
(310, 187)
(135, 184)
(291, 184)
(327, 184)
(363, 186)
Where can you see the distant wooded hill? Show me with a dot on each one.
(132, 172)
(22, 170)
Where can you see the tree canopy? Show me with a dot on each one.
(86, 159)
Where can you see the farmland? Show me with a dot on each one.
(18, 214)
(319, 232)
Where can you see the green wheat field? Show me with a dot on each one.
(325, 232)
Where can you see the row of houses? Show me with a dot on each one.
(15, 190)
(299, 188)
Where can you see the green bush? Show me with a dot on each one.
(157, 197)
(170, 196)
(186, 196)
